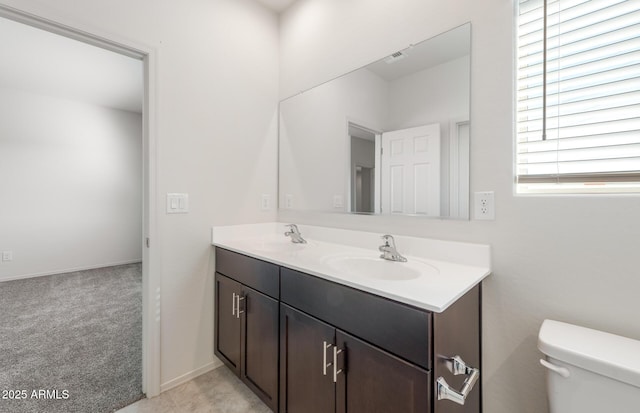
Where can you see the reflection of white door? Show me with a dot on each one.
(410, 182)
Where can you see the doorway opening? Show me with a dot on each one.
(146, 228)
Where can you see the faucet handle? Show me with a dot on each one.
(389, 251)
(388, 238)
(294, 233)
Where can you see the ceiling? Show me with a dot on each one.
(429, 53)
(277, 5)
(41, 62)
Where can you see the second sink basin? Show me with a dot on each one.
(373, 267)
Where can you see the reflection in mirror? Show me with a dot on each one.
(389, 138)
(363, 166)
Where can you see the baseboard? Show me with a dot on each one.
(190, 375)
(67, 270)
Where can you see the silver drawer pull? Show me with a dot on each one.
(325, 347)
(238, 311)
(233, 305)
(457, 366)
(335, 364)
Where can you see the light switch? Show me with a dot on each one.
(177, 203)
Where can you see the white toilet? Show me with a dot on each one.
(589, 371)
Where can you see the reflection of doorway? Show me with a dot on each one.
(362, 175)
(459, 169)
(365, 189)
(411, 171)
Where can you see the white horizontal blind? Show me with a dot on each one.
(592, 136)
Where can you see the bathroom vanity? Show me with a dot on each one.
(308, 333)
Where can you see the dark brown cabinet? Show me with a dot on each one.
(306, 379)
(247, 324)
(227, 322)
(378, 382)
(259, 346)
(304, 344)
(326, 370)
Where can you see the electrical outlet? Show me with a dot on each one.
(7, 255)
(337, 201)
(484, 206)
(265, 202)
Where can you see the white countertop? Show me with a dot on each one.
(440, 271)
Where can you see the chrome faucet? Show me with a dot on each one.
(294, 233)
(389, 251)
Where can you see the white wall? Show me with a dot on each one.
(72, 185)
(216, 91)
(444, 96)
(572, 258)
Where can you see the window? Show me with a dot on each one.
(578, 96)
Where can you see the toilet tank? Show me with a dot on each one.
(589, 371)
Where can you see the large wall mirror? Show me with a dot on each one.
(389, 138)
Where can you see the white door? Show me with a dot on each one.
(410, 163)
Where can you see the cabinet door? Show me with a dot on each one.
(304, 386)
(260, 335)
(375, 381)
(227, 322)
(457, 332)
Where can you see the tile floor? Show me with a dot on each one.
(218, 391)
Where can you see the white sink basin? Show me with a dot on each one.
(376, 268)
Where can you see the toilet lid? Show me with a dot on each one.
(607, 354)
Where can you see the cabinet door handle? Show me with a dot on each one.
(457, 366)
(238, 311)
(335, 364)
(233, 305)
(325, 347)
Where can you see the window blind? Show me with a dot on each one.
(578, 103)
